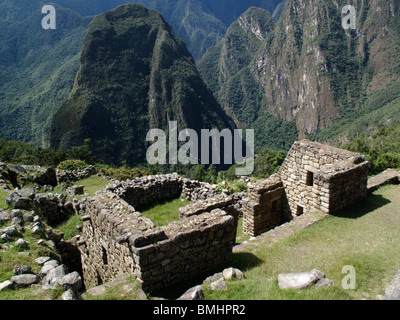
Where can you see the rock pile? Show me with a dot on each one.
(217, 282)
(53, 208)
(51, 276)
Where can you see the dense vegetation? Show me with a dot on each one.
(38, 67)
(310, 77)
(381, 148)
(135, 75)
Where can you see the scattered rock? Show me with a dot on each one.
(24, 280)
(6, 285)
(76, 191)
(219, 285)
(232, 273)
(195, 293)
(72, 281)
(69, 295)
(47, 266)
(392, 291)
(42, 260)
(324, 283)
(300, 280)
(50, 281)
(21, 243)
(25, 269)
(214, 277)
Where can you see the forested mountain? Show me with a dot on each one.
(200, 23)
(329, 82)
(38, 67)
(135, 74)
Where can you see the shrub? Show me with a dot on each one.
(70, 165)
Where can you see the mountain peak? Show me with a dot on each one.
(135, 74)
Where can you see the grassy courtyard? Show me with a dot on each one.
(365, 236)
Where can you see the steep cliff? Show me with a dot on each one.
(313, 73)
(135, 74)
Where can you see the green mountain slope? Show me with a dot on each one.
(37, 67)
(135, 74)
(330, 83)
(200, 23)
(227, 69)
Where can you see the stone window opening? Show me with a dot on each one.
(104, 255)
(310, 179)
(300, 211)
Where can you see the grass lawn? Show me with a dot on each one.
(3, 197)
(365, 236)
(167, 212)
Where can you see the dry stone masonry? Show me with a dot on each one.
(116, 240)
(312, 177)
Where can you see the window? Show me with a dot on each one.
(310, 179)
(105, 258)
(300, 211)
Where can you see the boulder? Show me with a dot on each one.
(24, 280)
(25, 269)
(21, 243)
(195, 293)
(300, 280)
(50, 281)
(42, 260)
(72, 281)
(21, 199)
(219, 285)
(6, 285)
(69, 295)
(232, 273)
(392, 291)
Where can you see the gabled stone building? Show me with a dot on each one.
(312, 177)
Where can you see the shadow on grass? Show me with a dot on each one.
(371, 203)
(243, 261)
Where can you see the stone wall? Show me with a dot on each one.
(116, 240)
(321, 177)
(146, 191)
(194, 190)
(262, 210)
(313, 177)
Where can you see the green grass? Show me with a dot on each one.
(363, 236)
(93, 184)
(165, 213)
(3, 197)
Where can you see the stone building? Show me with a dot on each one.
(312, 177)
(116, 239)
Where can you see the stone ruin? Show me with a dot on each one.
(116, 239)
(313, 177)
